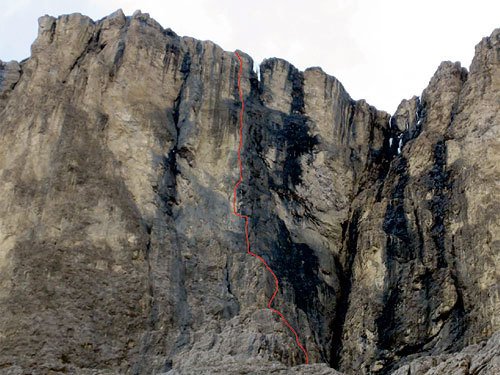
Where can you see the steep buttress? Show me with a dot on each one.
(118, 252)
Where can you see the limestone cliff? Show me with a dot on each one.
(118, 250)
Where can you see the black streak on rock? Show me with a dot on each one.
(168, 192)
(438, 180)
(350, 234)
(297, 265)
(295, 132)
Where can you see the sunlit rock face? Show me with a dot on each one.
(119, 252)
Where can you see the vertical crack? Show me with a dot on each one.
(439, 202)
(169, 190)
(350, 234)
(52, 31)
(151, 320)
(120, 51)
(159, 341)
(170, 198)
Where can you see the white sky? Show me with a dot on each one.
(381, 50)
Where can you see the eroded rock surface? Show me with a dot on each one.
(118, 249)
(476, 359)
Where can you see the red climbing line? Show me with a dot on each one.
(276, 283)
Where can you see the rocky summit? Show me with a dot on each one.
(119, 252)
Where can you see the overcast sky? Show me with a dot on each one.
(381, 50)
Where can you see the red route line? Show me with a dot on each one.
(235, 212)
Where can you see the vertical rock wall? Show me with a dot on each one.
(118, 250)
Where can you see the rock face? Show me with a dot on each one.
(481, 358)
(119, 252)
